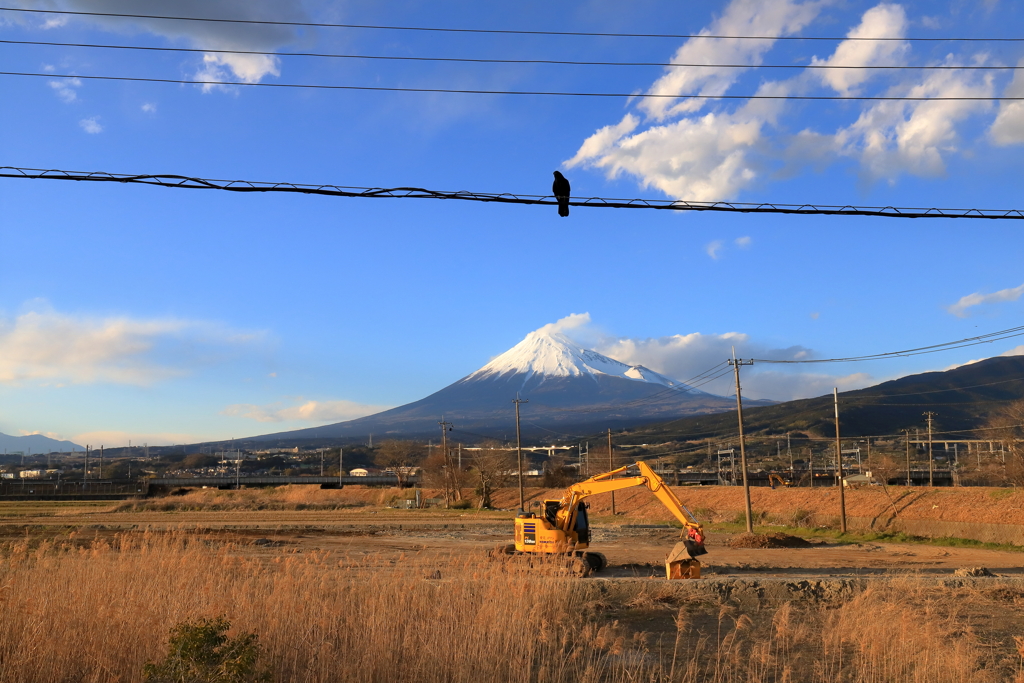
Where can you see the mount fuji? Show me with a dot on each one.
(568, 389)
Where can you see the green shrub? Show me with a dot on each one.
(201, 652)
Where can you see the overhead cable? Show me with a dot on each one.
(546, 93)
(501, 31)
(250, 186)
(480, 60)
(960, 343)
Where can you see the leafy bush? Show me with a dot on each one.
(201, 652)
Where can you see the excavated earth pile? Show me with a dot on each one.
(769, 541)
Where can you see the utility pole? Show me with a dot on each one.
(341, 470)
(448, 476)
(907, 432)
(519, 451)
(321, 462)
(611, 465)
(810, 467)
(931, 462)
(86, 474)
(101, 461)
(839, 466)
(743, 448)
(789, 450)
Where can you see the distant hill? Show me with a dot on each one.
(962, 398)
(570, 390)
(35, 443)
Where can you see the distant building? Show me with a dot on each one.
(363, 472)
(32, 474)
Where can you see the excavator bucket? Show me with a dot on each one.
(680, 564)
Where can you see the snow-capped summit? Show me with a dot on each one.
(568, 389)
(552, 354)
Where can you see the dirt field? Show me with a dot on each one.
(338, 580)
(358, 520)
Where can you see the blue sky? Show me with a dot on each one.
(166, 316)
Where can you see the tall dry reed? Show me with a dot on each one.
(97, 611)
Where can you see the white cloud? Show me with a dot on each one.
(716, 155)
(959, 309)
(570, 322)
(309, 411)
(1008, 128)
(65, 89)
(743, 242)
(895, 137)
(47, 347)
(246, 68)
(685, 356)
(882, 20)
(740, 18)
(91, 125)
(149, 108)
(712, 249)
(202, 35)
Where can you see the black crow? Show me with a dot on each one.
(560, 188)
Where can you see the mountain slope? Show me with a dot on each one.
(963, 398)
(570, 390)
(35, 443)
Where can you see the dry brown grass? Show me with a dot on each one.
(98, 611)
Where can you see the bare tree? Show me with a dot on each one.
(493, 466)
(1007, 426)
(398, 456)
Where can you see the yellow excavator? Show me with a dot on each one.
(564, 529)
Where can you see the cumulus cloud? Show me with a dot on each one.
(308, 411)
(740, 18)
(743, 242)
(685, 356)
(895, 137)
(1008, 128)
(149, 108)
(91, 125)
(712, 249)
(572, 321)
(883, 20)
(708, 150)
(48, 347)
(202, 35)
(66, 88)
(960, 308)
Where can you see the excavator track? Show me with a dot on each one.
(579, 563)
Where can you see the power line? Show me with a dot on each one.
(547, 93)
(476, 60)
(248, 186)
(501, 31)
(961, 343)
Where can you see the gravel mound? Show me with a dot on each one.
(768, 541)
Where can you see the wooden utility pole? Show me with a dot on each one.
(341, 470)
(86, 474)
(810, 467)
(743, 448)
(839, 466)
(611, 465)
(931, 461)
(519, 451)
(907, 432)
(449, 477)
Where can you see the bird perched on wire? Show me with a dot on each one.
(560, 188)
